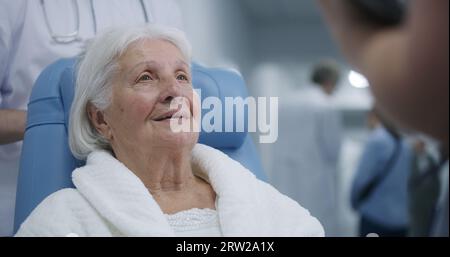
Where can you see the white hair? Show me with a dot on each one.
(96, 66)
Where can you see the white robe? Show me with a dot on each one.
(109, 200)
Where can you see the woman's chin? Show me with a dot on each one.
(176, 125)
(174, 133)
(177, 135)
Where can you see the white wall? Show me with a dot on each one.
(218, 32)
(296, 42)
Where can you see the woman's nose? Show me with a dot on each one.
(171, 90)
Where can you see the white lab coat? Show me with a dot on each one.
(304, 158)
(26, 48)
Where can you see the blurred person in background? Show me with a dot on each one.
(425, 185)
(305, 156)
(379, 191)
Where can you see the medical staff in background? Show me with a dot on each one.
(379, 191)
(305, 156)
(33, 34)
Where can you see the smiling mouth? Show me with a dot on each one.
(168, 118)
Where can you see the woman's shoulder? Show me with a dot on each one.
(59, 214)
(61, 200)
(62, 196)
(287, 214)
(237, 188)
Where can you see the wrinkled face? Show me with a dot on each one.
(151, 90)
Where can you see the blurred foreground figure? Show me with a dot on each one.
(407, 66)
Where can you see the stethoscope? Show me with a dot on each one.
(73, 36)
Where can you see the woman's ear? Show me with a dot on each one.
(97, 118)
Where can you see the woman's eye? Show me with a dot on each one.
(182, 77)
(145, 77)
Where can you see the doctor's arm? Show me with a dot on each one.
(12, 122)
(12, 125)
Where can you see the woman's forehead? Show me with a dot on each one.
(178, 64)
(154, 52)
(152, 48)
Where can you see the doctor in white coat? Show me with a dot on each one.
(305, 156)
(34, 34)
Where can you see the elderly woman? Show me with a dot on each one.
(142, 178)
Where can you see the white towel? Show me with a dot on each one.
(109, 200)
